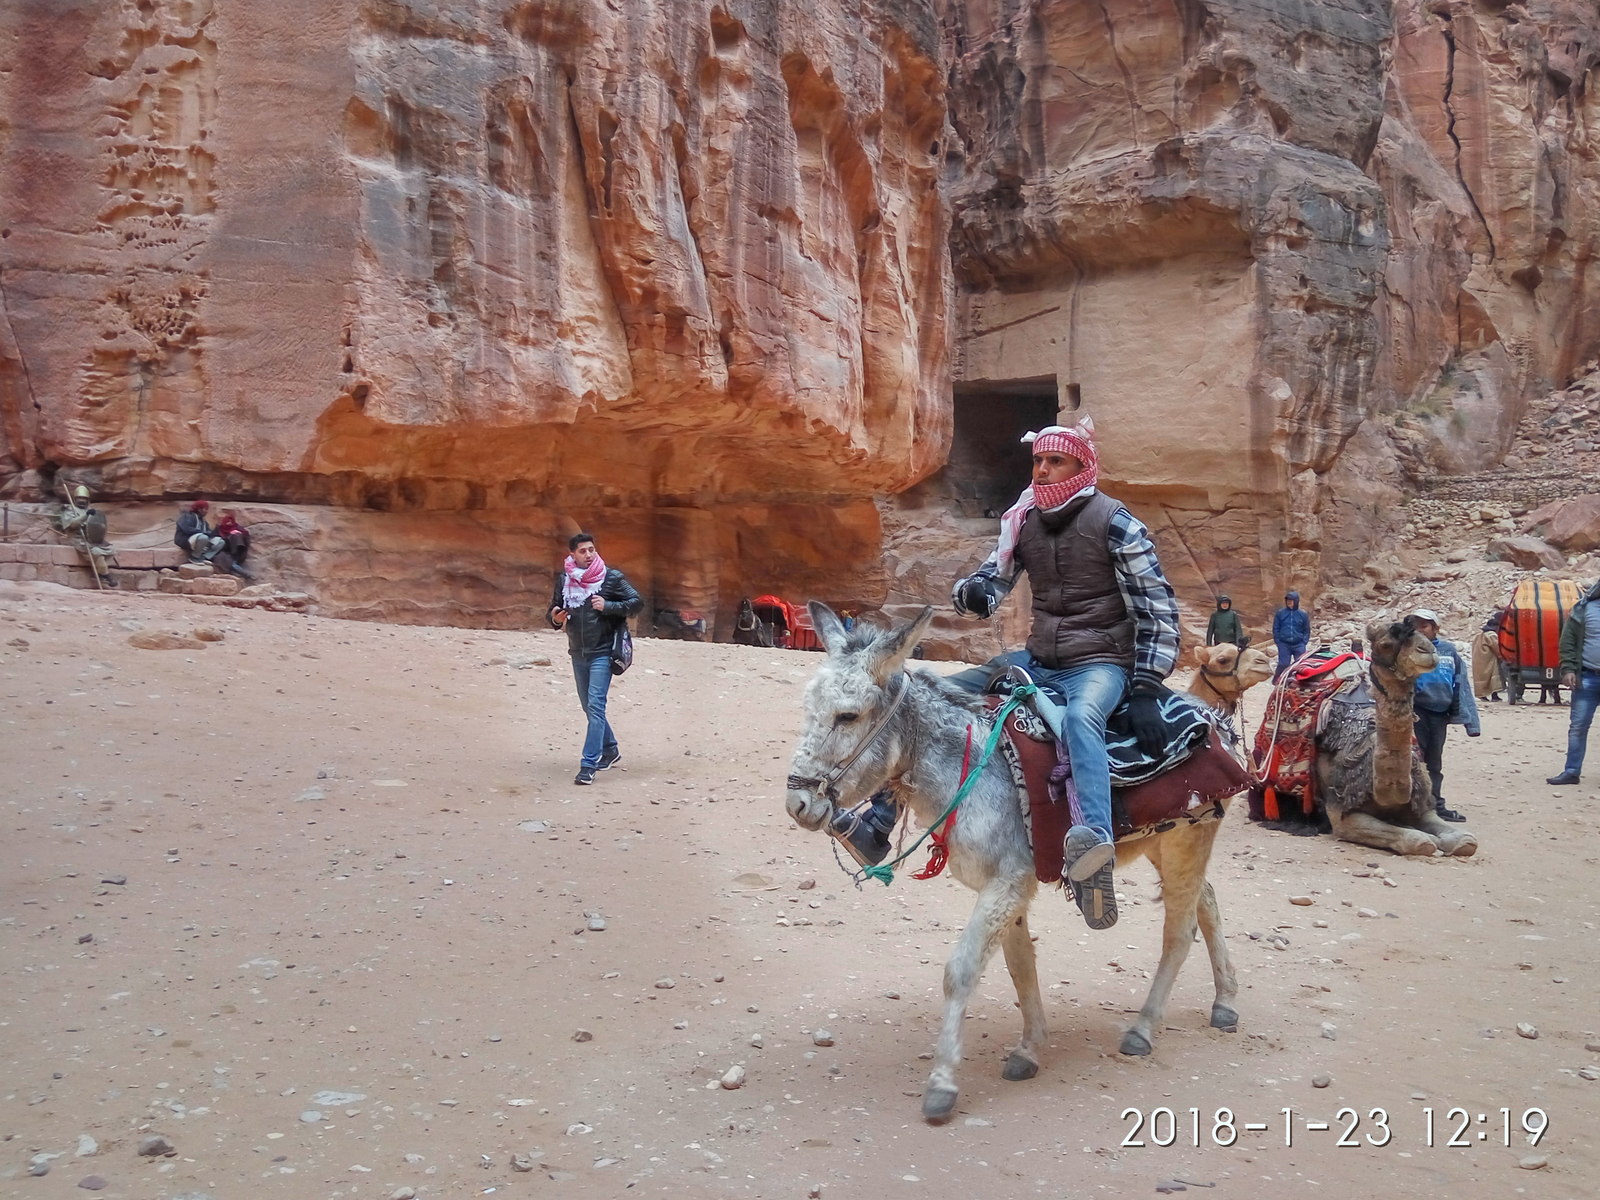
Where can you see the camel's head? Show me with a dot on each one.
(844, 752)
(1399, 647)
(1233, 670)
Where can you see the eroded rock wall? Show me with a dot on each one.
(682, 271)
(647, 266)
(1243, 235)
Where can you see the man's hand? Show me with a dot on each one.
(975, 596)
(597, 604)
(558, 617)
(1144, 714)
(1569, 679)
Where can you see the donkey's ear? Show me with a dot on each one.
(830, 630)
(890, 650)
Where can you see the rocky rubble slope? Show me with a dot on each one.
(1465, 541)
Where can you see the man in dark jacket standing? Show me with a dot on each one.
(1291, 629)
(1224, 625)
(1580, 672)
(592, 602)
(1105, 625)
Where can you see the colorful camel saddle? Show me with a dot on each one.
(1286, 743)
(1188, 785)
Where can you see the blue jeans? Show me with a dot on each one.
(1585, 699)
(593, 678)
(1287, 653)
(1091, 692)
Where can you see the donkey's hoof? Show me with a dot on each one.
(1224, 1018)
(938, 1104)
(1135, 1044)
(1019, 1066)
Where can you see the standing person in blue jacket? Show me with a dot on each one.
(1443, 698)
(1291, 629)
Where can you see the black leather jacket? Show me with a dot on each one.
(589, 632)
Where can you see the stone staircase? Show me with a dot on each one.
(66, 564)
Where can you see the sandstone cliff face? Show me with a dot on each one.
(683, 270)
(1240, 234)
(672, 269)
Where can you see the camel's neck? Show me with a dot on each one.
(1391, 764)
(1207, 692)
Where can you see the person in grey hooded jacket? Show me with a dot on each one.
(1443, 697)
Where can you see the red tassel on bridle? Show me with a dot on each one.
(939, 850)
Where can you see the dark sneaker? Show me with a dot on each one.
(607, 761)
(584, 775)
(1087, 871)
(1447, 814)
(866, 833)
(1564, 777)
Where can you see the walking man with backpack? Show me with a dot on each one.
(592, 602)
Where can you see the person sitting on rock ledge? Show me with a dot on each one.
(203, 544)
(79, 519)
(237, 540)
(194, 535)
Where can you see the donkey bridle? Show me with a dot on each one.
(828, 785)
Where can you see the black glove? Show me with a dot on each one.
(975, 597)
(1144, 714)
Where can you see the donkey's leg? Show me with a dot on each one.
(1180, 857)
(1223, 1015)
(997, 905)
(1023, 1062)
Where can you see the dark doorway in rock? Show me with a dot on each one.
(989, 464)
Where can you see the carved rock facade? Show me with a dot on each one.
(1243, 235)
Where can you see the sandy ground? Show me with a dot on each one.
(310, 903)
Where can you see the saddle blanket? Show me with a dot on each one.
(1190, 790)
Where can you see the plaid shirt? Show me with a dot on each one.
(1145, 591)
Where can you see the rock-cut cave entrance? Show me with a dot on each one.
(989, 464)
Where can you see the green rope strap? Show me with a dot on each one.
(884, 872)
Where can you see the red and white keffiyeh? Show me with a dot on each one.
(1077, 441)
(580, 585)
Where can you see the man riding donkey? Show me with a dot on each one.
(1105, 626)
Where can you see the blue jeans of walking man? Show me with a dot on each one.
(1585, 699)
(592, 674)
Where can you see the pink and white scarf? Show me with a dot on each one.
(1078, 442)
(580, 585)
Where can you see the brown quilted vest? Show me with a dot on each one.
(1078, 612)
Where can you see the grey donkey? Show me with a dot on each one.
(868, 722)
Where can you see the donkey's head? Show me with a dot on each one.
(847, 747)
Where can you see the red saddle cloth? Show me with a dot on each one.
(1190, 792)
(1286, 742)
